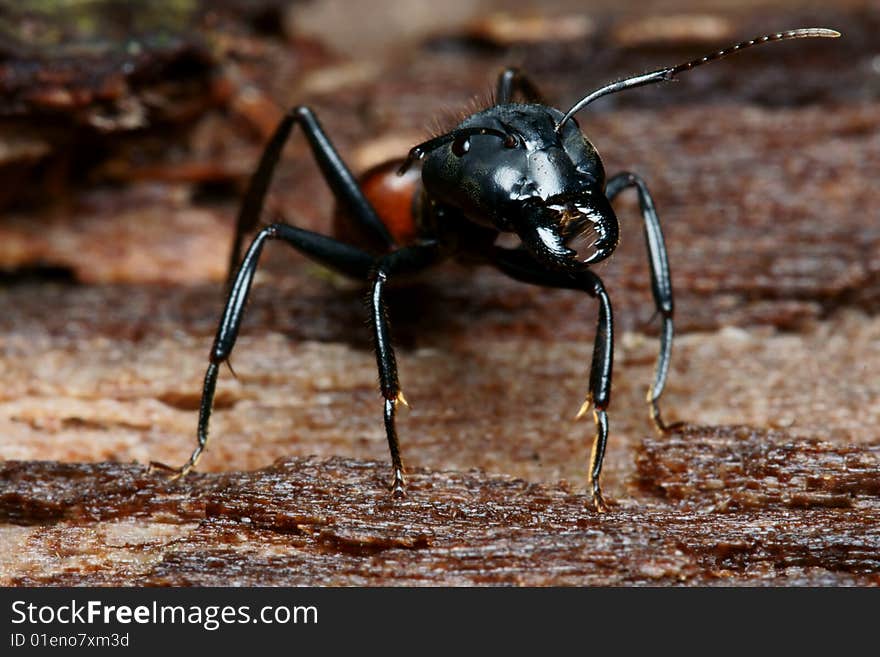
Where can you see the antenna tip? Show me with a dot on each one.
(817, 32)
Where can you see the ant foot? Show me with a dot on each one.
(173, 473)
(657, 419)
(398, 485)
(597, 500)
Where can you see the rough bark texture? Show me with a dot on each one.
(749, 510)
(764, 169)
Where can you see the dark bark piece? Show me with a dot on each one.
(99, 62)
(730, 468)
(44, 492)
(126, 92)
(330, 522)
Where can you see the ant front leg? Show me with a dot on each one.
(520, 265)
(661, 284)
(513, 80)
(325, 250)
(338, 176)
(409, 259)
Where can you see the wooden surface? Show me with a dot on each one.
(764, 171)
(738, 506)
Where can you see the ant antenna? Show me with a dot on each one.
(664, 74)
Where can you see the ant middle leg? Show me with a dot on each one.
(512, 80)
(338, 176)
(661, 284)
(341, 257)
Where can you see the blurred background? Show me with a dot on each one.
(132, 122)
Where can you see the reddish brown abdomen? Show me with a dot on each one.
(392, 196)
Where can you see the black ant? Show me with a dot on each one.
(522, 168)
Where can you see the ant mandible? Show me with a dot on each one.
(522, 168)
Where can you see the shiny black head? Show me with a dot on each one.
(508, 168)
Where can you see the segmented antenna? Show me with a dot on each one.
(664, 74)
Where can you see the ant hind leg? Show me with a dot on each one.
(341, 257)
(513, 80)
(337, 255)
(342, 182)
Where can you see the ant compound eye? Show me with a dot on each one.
(461, 146)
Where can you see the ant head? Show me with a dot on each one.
(528, 168)
(510, 169)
